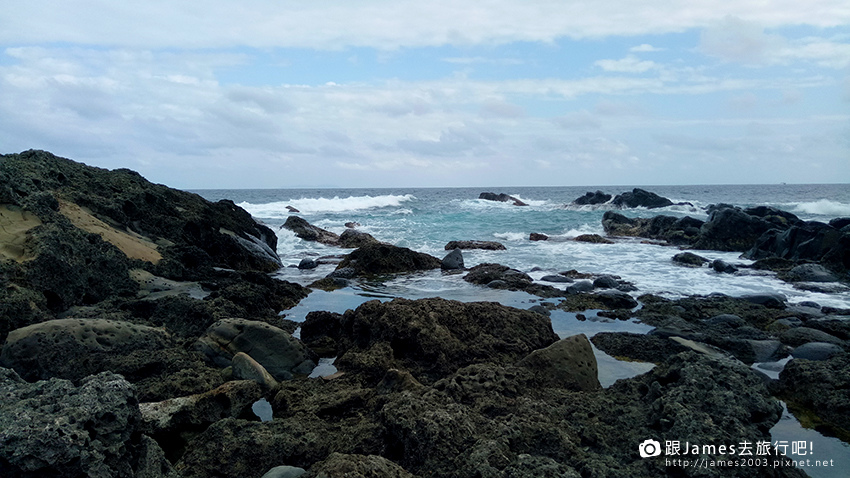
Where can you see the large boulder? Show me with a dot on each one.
(52, 428)
(568, 363)
(731, 229)
(282, 355)
(501, 197)
(434, 337)
(380, 258)
(352, 239)
(309, 232)
(75, 348)
(590, 199)
(640, 198)
(820, 387)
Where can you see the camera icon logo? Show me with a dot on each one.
(649, 448)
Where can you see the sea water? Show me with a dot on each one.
(427, 219)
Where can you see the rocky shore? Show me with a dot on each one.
(143, 337)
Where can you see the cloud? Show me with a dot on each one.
(629, 64)
(645, 47)
(734, 39)
(337, 24)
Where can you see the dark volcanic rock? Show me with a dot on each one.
(678, 231)
(821, 388)
(340, 465)
(640, 198)
(487, 245)
(568, 363)
(353, 239)
(281, 354)
(75, 348)
(731, 229)
(723, 267)
(809, 273)
(453, 261)
(501, 197)
(689, 259)
(380, 258)
(51, 428)
(594, 198)
(593, 238)
(497, 276)
(309, 232)
(646, 348)
(537, 236)
(434, 337)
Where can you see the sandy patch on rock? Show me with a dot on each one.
(15, 224)
(134, 246)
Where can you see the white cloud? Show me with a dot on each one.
(629, 64)
(388, 25)
(645, 47)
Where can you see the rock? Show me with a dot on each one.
(783, 324)
(801, 335)
(731, 229)
(484, 274)
(580, 286)
(281, 354)
(339, 465)
(820, 387)
(593, 238)
(725, 320)
(594, 198)
(840, 222)
(677, 231)
(292, 209)
(722, 267)
(486, 245)
(817, 351)
(453, 261)
(645, 348)
(380, 258)
(283, 471)
(536, 236)
(605, 282)
(809, 273)
(557, 278)
(246, 368)
(174, 421)
(689, 259)
(353, 239)
(501, 197)
(434, 337)
(568, 363)
(309, 232)
(52, 428)
(640, 198)
(773, 301)
(615, 299)
(307, 264)
(75, 348)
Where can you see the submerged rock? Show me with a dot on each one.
(689, 259)
(486, 245)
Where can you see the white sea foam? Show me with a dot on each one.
(511, 236)
(823, 207)
(280, 209)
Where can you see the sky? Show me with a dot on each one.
(373, 93)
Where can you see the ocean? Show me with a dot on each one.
(427, 219)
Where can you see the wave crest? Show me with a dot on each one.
(325, 205)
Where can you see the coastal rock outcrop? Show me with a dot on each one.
(592, 198)
(486, 245)
(308, 232)
(820, 387)
(380, 258)
(434, 337)
(640, 198)
(501, 197)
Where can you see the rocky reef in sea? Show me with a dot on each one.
(141, 333)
